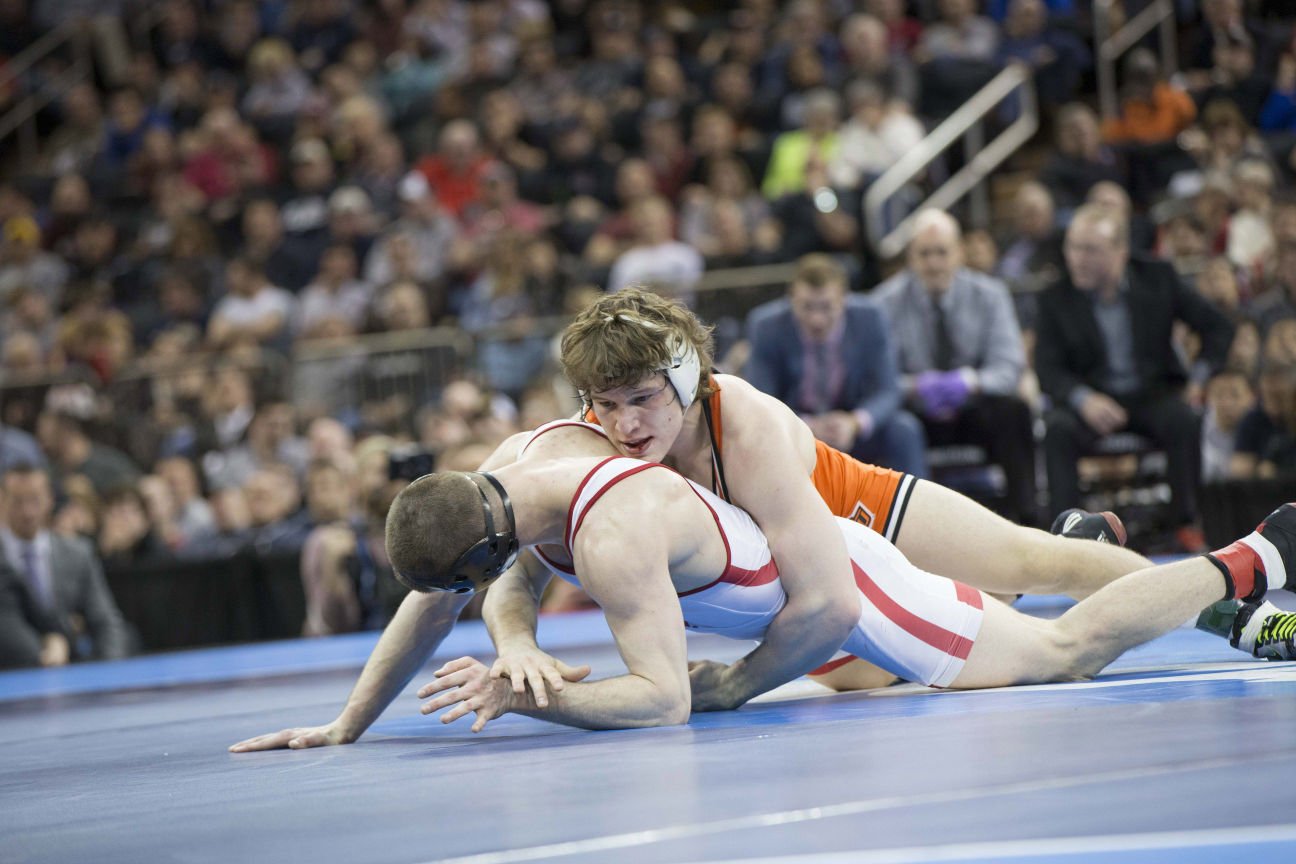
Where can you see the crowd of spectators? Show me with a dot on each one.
(241, 183)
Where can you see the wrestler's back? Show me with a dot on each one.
(720, 564)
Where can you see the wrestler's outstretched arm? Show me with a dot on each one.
(419, 626)
(514, 599)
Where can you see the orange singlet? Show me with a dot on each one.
(868, 494)
(871, 495)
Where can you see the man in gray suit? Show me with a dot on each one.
(961, 355)
(62, 575)
(28, 637)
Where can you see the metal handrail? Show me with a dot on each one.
(23, 112)
(395, 340)
(20, 119)
(981, 159)
(37, 51)
(1109, 47)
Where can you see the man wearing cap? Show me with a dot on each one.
(427, 230)
(23, 262)
(305, 209)
(351, 220)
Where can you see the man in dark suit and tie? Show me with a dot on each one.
(826, 354)
(1106, 358)
(62, 575)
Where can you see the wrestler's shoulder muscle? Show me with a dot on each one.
(759, 428)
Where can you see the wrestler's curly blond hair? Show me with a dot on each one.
(622, 338)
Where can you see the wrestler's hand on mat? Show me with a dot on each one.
(469, 683)
(709, 682)
(536, 669)
(300, 738)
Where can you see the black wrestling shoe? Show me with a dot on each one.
(1265, 631)
(1279, 528)
(1104, 527)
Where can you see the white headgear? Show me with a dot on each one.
(683, 371)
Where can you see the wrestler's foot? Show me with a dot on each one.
(1262, 560)
(1265, 631)
(1104, 527)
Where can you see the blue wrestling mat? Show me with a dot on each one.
(1185, 751)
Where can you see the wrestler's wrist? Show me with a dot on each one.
(512, 702)
(735, 689)
(346, 730)
(519, 644)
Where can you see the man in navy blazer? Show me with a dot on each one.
(826, 354)
(1106, 358)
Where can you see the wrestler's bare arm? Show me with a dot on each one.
(510, 615)
(765, 455)
(512, 602)
(643, 613)
(418, 627)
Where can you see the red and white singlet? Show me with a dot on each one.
(912, 623)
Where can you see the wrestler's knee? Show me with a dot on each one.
(1062, 654)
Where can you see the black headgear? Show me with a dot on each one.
(490, 556)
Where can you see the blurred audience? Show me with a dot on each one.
(1229, 398)
(262, 240)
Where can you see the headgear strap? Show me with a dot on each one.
(490, 556)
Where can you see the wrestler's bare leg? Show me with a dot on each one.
(1012, 648)
(949, 534)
